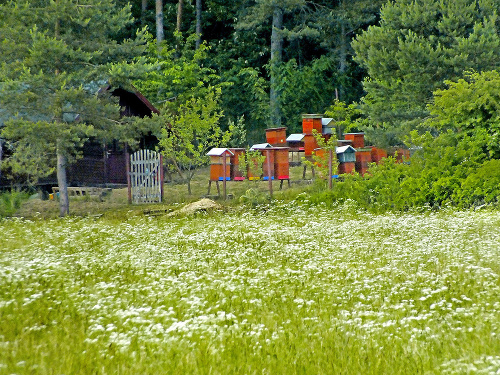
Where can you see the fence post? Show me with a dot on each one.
(330, 169)
(224, 165)
(129, 180)
(269, 174)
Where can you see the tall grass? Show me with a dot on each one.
(281, 290)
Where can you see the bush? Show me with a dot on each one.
(482, 186)
(10, 202)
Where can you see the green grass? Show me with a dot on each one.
(175, 194)
(285, 289)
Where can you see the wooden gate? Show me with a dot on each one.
(145, 177)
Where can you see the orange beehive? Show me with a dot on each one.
(236, 174)
(276, 136)
(281, 163)
(346, 167)
(220, 167)
(268, 153)
(363, 158)
(311, 122)
(310, 144)
(358, 139)
(378, 154)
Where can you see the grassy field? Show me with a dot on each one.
(283, 289)
(175, 194)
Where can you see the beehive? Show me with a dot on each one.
(363, 159)
(281, 163)
(276, 136)
(348, 167)
(220, 164)
(236, 174)
(269, 154)
(378, 154)
(310, 145)
(311, 122)
(358, 139)
(346, 154)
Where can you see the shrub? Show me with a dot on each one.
(10, 202)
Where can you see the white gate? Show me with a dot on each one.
(146, 177)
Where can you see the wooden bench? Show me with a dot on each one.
(84, 190)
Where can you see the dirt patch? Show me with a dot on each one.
(203, 205)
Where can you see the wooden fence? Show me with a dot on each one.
(145, 177)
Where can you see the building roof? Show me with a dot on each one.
(326, 121)
(260, 146)
(219, 152)
(295, 138)
(342, 149)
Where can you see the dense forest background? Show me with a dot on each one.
(310, 61)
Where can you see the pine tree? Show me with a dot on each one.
(418, 45)
(56, 54)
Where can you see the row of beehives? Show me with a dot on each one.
(225, 162)
(352, 154)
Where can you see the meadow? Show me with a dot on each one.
(281, 289)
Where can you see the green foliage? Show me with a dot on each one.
(238, 133)
(450, 169)
(320, 158)
(176, 79)
(417, 46)
(347, 118)
(480, 187)
(247, 96)
(306, 89)
(470, 105)
(190, 131)
(250, 164)
(11, 201)
(49, 87)
(254, 198)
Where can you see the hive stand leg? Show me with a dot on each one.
(281, 184)
(209, 186)
(304, 172)
(218, 188)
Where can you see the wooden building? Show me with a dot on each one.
(107, 164)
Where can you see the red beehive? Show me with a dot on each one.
(281, 163)
(348, 167)
(363, 158)
(236, 174)
(378, 154)
(265, 149)
(358, 139)
(311, 122)
(268, 153)
(276, 136)
(220, 159)
(310, 144)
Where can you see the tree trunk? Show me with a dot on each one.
(180, 11)
(198, 23)
(1, 157)
(144, 6)
(62, 181)
(276, 58)
(159, 22)
(343, 55)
